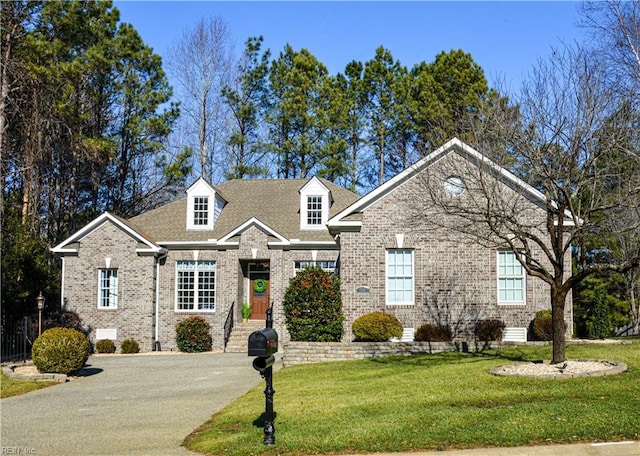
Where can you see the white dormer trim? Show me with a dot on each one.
(71, 245)
(316, 197)
(203, 206)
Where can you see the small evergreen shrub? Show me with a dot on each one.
(599, 325)
(489, 330)
(376, 327)
(542, 325)
(105, 346)
(433, 333)
(312, 307)
(60, 351)
(129, 346)
(193, 335)
(63, 319)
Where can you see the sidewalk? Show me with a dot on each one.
(587, 449)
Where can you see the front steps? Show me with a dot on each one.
(240, 335)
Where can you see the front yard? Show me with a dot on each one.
(442, 401)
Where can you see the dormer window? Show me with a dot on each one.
(203, 206)
(314, 210)
(200, 210)
(315, 201)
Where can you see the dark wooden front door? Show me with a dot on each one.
(259, 292)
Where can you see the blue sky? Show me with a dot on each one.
(505, 38)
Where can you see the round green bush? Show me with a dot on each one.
(312, 307)
(193, 335)
(489, 330)
(376, 327)
(433, 333)
(105, 346)
(60, 351)
(542, 325)
(129, 346)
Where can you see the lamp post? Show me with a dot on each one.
(40, 300)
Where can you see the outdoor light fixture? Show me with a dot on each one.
(40, 300)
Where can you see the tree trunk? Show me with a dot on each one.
(558, 298)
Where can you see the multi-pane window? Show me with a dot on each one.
(200, 211)
(329, 266)
(196, 285)
(511, 278)
(314, 210)
(108, 288)
(400, 276)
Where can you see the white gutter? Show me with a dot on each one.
(62, 286)
(157, 319)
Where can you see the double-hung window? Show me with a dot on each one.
(196, 285)
(314, 210)
(511, 279)
(108, 288)
(400, 276)
(200, 211)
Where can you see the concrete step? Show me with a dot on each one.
(240, 335)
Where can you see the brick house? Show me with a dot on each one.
(241, 241)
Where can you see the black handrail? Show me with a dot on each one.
(228, 325)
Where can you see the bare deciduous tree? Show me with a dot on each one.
(201, 61)
(575, 150)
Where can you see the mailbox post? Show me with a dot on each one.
(264, 344)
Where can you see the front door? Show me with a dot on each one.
(259, 294)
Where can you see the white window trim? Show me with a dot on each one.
(413, 277)
(196, 290)
(324, 212)
(112, 298)
(524, 283)
(191, 213)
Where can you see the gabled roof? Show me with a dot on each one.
(271, 204)
(350, 217)
(70, 245)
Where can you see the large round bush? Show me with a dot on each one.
(376, 327)
(313, 307)
(193, 335)
(60, 351)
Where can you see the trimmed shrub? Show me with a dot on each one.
(193, 335)
(433, 333)
(313, 307)
(489, 330)
(105, 346)
(60, 351)
(376, 327)
(542, 325)
(129, 346)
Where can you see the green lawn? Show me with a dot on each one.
(10, 387)
(432, 402)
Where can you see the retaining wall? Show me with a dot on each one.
(318, 352)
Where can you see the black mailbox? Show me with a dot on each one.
(263, 343)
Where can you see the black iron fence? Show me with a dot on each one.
(17, 339)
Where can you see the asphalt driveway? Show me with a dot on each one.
(126, 405)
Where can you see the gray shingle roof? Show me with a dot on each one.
(274, 202)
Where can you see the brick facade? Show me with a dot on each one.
(455, 280)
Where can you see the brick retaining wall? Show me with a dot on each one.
(318, 352)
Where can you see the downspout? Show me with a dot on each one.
(156, 345)
(62, 285)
